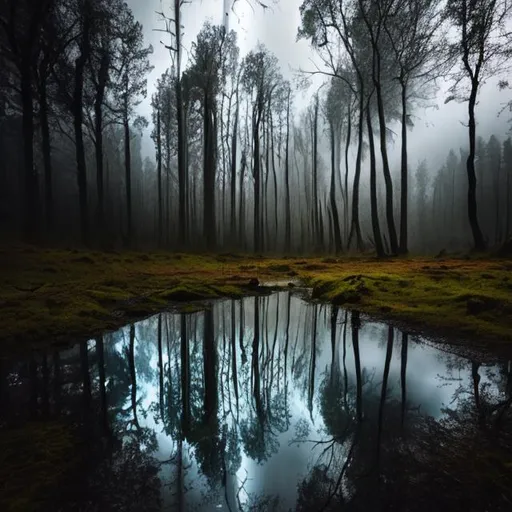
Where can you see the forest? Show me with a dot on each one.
(255, 255)
(237, 165)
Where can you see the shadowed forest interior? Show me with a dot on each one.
(250, 154)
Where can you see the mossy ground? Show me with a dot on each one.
(51, 294)
(34, 460)
(468, 298)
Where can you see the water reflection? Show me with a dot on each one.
(262, 404)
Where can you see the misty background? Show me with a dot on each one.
(437, 128)
(256, 127)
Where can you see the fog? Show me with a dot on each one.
(438, 127)
(266, 128)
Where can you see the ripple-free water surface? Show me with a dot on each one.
(266, 403)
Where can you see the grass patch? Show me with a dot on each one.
(455, 297)
(89, 292)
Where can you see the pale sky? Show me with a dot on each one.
(435, 131)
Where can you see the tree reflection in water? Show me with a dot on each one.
(268, 403)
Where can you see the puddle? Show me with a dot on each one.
(265, 403)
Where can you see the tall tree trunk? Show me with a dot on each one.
(330, 243)
(34, 385)
(241, 214)
(47, 155)
(161, 392)
(316, 219)
(403, 374)
(334, 317)
(224, 138)
(209, 224)
(347, 147)
(255, 361)
(57, 383)
(312, 364)
(384, 389)
(265, 235)
(86, 378)
(355, 228)
(356, 323)
(185, 377)
(133, 376)
(497, 195)
(478, 238)
(320, 227)
(187, 175)
(257, 186)
(332, 193)
(508, 202)
(210, 369)
(31, 196)
(274, 174)
(100, 351)
(78, 96)
(376, 78)
(404, 189)
(288, 227)
(182, 174)
(45, 391)
(234, 371)
(128, 169)
(234, 141)
(98, 135)
(393, 241)
(159, 172)
(167, 202)
(373, 188)
(475, 366)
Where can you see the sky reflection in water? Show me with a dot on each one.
(256, 404)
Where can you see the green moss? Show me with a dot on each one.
(109, 294)
(454, 301)
(349, 290)
(188, 293)
(86, 292)
(228, 291)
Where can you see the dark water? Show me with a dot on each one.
(260, 404)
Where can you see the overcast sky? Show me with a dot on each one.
(435, 132)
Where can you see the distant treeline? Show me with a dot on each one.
(237, 166)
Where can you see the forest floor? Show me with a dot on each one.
(63, 295)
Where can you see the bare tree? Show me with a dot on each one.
(413, 32)
(482, 48)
